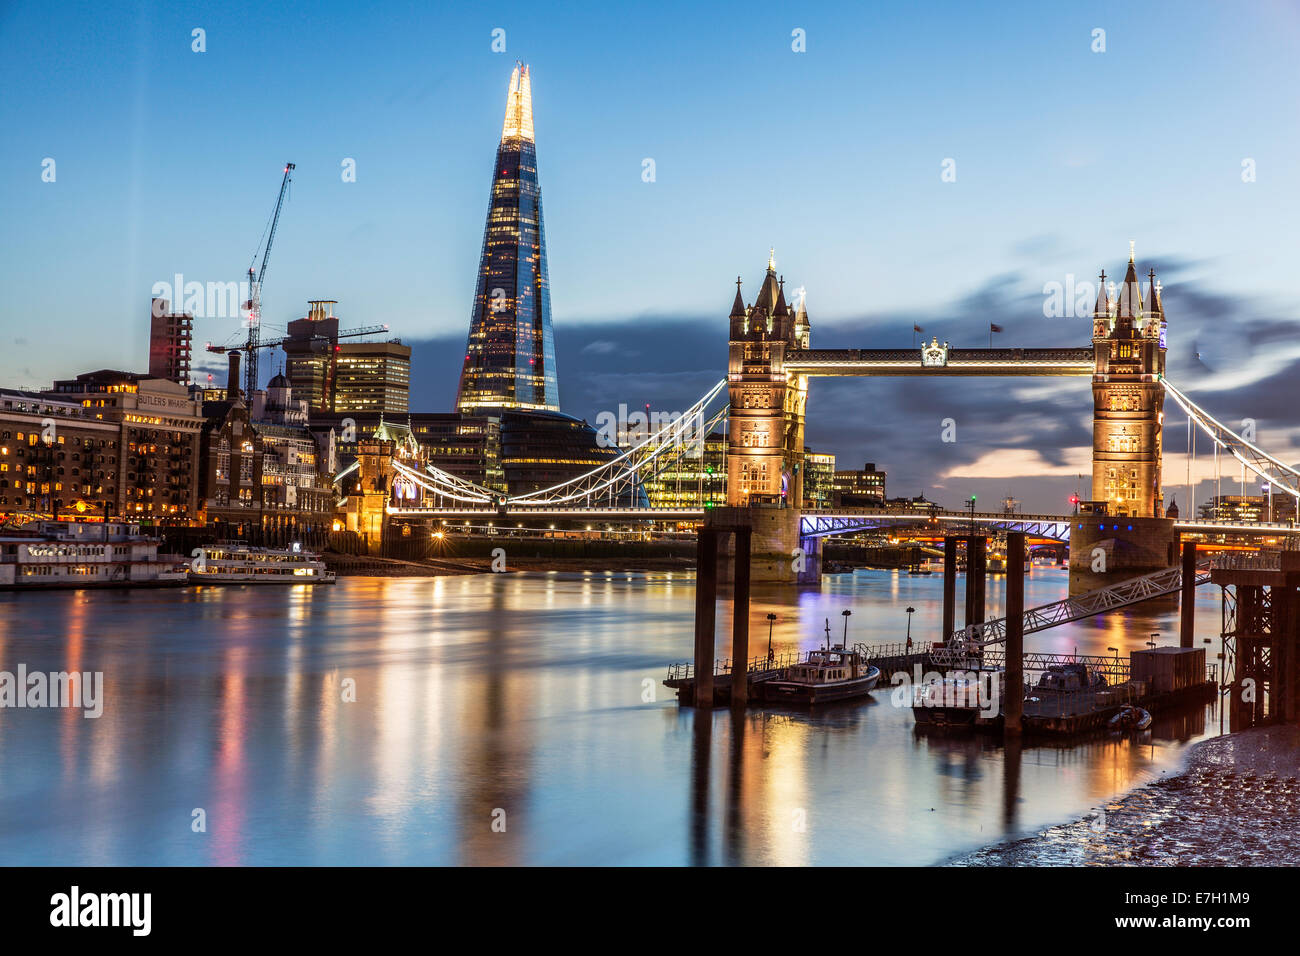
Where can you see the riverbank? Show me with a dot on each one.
(1236, 803)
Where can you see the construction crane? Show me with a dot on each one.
(255, 279)
(276, 343)
(318, 343)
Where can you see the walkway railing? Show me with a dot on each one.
(722, 666)
(1130, 591)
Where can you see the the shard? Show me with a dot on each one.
(510, 355)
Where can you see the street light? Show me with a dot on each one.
(1155, 636)
(771, 619)
(846, 612)
(1116, 650)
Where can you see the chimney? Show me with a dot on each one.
(232, 379)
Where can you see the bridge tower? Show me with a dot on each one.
(1123, 531)
(1128, 338)
(765, 436)
(366, 510)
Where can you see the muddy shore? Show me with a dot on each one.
(1235, 803)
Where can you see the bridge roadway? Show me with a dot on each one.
(820, 524)
(979, 361)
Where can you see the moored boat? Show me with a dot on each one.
(242, 564)
(1130, 717)
(76, 554)
(823, 675)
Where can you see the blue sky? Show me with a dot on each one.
(168, 161)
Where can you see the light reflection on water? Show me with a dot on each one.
(516, 698)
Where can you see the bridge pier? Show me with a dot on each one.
(779, 554)
(1105, 549)
(1261, 631)
(732, 523)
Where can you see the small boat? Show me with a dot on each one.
(970, 700)
(1130, 717)
(1070, 677)
(241, 564)
(920, 570)
(824, 675)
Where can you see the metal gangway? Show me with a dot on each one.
(1130, 591)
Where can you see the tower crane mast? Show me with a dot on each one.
(255, 279)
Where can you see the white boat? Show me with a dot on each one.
(242, 564)
(824, 675)
(84, 554)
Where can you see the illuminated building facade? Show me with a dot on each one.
(1128, 400)
(264, 474)
(541, 449)
(1249, 509)
(309, 354)
(510, 355)
(818, 479)
(372, 376)
(859, 489)
(57, 460)
(158, 441)
(698, 479)
(334, 376)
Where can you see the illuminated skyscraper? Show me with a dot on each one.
(510, 356)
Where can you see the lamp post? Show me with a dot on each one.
(846, 612)
(910, 612)
(1116, 650)
(771, 619)
(1155, 635)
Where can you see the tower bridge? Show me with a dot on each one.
(762, 406)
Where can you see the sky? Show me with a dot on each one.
(1179, 136)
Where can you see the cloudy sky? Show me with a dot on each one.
(1071, 130)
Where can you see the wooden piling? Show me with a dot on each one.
(740, 620)
(976, 567)
(1187, 612)
(949, 587)
(706, 596)
(1014, 705)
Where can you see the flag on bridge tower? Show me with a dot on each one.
(993, 328)
(916, 330)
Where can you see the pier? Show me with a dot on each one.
(1055, 694)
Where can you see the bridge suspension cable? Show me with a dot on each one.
(1278, 474)
(619, 476)
(435, 481)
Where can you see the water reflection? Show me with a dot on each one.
(528, 702)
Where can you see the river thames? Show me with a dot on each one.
(515, 719)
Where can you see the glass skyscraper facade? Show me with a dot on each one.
(510, 355)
